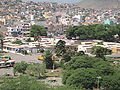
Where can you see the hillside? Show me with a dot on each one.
(99, 4)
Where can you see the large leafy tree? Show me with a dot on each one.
(81, 62)
(83, 77)
(70, 33)
(100, 52)
(111, 82)
(84, 70)
(37, 30)
(104, 68)
(98, 31)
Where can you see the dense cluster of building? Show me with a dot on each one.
(18, 17)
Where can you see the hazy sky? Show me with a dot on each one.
(62, 1)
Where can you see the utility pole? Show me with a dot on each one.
(53, 51)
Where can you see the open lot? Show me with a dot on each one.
(27, 58)
(19, 58)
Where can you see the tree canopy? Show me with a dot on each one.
(37, 30)
(83, 71)
(98, 31)
(83, 77)
(100, 52)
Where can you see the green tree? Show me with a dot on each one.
(70, 33)
(48, 59)
(97, 31)
(20, 67)
(66, 74)
(37, 31)
(60, 48)
(100, 52)
(66, 57)
(116, 32)
(104, 68)
(83, 77)
(81, 62)
(111, 82)
(84, 70)
(36, 70)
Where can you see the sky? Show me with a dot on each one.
(60, 1)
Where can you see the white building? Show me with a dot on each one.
(22, 29)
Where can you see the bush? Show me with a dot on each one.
(22, 83)
(17, 42)
(36, 70)
(2, 51)
(20, 67)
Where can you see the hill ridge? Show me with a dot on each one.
(99, 4)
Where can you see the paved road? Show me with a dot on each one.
(19, 58)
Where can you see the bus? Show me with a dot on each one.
(9, 63)
(6, 61)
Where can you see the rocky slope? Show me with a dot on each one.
(99, 4)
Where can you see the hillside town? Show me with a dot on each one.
(17, 18)
(20, 43)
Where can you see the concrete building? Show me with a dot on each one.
(22, 30)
